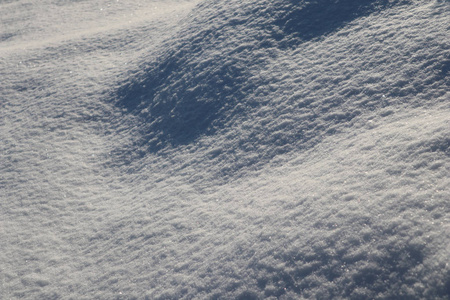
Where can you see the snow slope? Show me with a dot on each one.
(224, 149)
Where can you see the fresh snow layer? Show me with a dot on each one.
(224, 149)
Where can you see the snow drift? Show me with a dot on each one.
(296, 83)
(253, 150)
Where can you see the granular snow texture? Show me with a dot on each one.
(224, 149)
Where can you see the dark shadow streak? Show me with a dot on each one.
(304, 22)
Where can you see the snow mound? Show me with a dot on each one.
(298, 70)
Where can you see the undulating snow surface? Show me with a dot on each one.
(207, 149)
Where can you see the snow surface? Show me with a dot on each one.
(224, 149)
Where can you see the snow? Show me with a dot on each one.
(224, 149)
